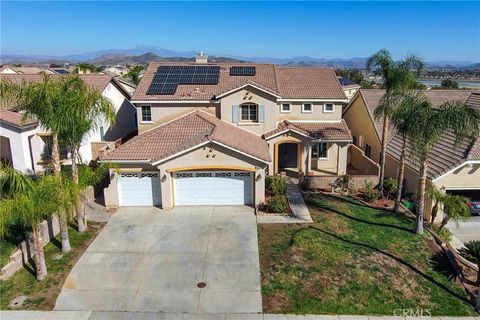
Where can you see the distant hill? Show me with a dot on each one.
(113, 59)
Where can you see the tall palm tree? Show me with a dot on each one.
(89, 109)
(48, 101)
(396, 78)
(431, 123)
(403, 118)
(29, 205)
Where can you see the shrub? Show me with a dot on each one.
(278, 204)
(277, 185)
(471, 251)
(391, 186)
(443, 232)
(371, 194)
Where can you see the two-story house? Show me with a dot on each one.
(27, 145)
(209, 133)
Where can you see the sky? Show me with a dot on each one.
(434, 30)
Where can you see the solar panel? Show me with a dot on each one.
(242, 71)
(167, 78)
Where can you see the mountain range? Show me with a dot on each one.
(146, 54)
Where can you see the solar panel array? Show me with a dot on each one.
(242, 71)
(167, 78)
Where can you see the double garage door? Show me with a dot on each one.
(189, 188)
(213, 188)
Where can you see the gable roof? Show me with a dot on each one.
(186, 132)
(323, 131)
(22, 70)
(288, 83)
(445, 155)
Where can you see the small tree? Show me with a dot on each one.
(449, 84)
(454, 208)
(437, 197)
(390, 185)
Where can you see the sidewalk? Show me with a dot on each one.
(300, 213)
(97, 315)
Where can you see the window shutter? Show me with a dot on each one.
(261, 113)
(235, 113)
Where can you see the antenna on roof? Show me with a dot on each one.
(201, 57)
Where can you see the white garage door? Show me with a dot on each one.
(213, 188)
(139, 189)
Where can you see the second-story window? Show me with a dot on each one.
(285, 108)
(307, 108)
(146, 114)
(249, 112)
(328, 107)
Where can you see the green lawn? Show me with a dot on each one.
(354, 260)
(42, 295)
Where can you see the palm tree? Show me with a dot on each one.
(88, 110)
(134, 74)
(396, 78)
(403, 118)
(437, 197)
(48, 101)
(454, 207)
(431, 123)
(29, 204)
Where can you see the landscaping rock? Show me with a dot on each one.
(17, 302)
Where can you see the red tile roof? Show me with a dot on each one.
(186, 132)
(324, 131)
(15, 119)
(289, 83)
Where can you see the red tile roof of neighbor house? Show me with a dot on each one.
(15, 119)
(445, 155)
(324, 131)
(186, 132)
(289, 83)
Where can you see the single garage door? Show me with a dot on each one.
(140, 189)
(213, 188)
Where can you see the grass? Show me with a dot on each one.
(355, 260)
(42, 295)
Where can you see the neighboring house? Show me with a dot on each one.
(117, 70)
(7, 69)
(210, 133)
(367, 135)
(27, 145)
(127, 85)
(349, 87)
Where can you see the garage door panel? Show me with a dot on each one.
(213, 188)
(139, 189)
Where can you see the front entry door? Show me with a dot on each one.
(287, 155)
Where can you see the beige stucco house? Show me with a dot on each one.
(453, 168)
(245, 121)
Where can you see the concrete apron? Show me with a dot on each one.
(146, 259)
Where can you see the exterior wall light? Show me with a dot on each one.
(164, 177)
(259, 176)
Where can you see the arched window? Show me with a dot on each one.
(249, 112)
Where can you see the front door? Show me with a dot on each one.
(287, 155)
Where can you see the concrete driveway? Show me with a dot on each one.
(465, 231)
(146, 259)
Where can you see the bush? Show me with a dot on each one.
(277, 185)
(391, 186)
(443, 232)
(278, 204)
(471, 251)
(371, 194)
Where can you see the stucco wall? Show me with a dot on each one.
(164, 112)
(362, 163)
(316, 114)
(361, 126)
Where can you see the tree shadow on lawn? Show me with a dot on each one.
(406, 264)
(378, 213)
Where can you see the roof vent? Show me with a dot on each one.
(201, 57)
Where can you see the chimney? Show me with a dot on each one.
(201, 58)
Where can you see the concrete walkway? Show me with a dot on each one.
(96, 315)
(147, 259)
(300, 213)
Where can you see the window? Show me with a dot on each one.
(249, 112)
(285, 108)
(328, 107)
(307, 107)
(354, 140)
(102, 134)
(320, 150)
(146, 114)
(368, 150)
